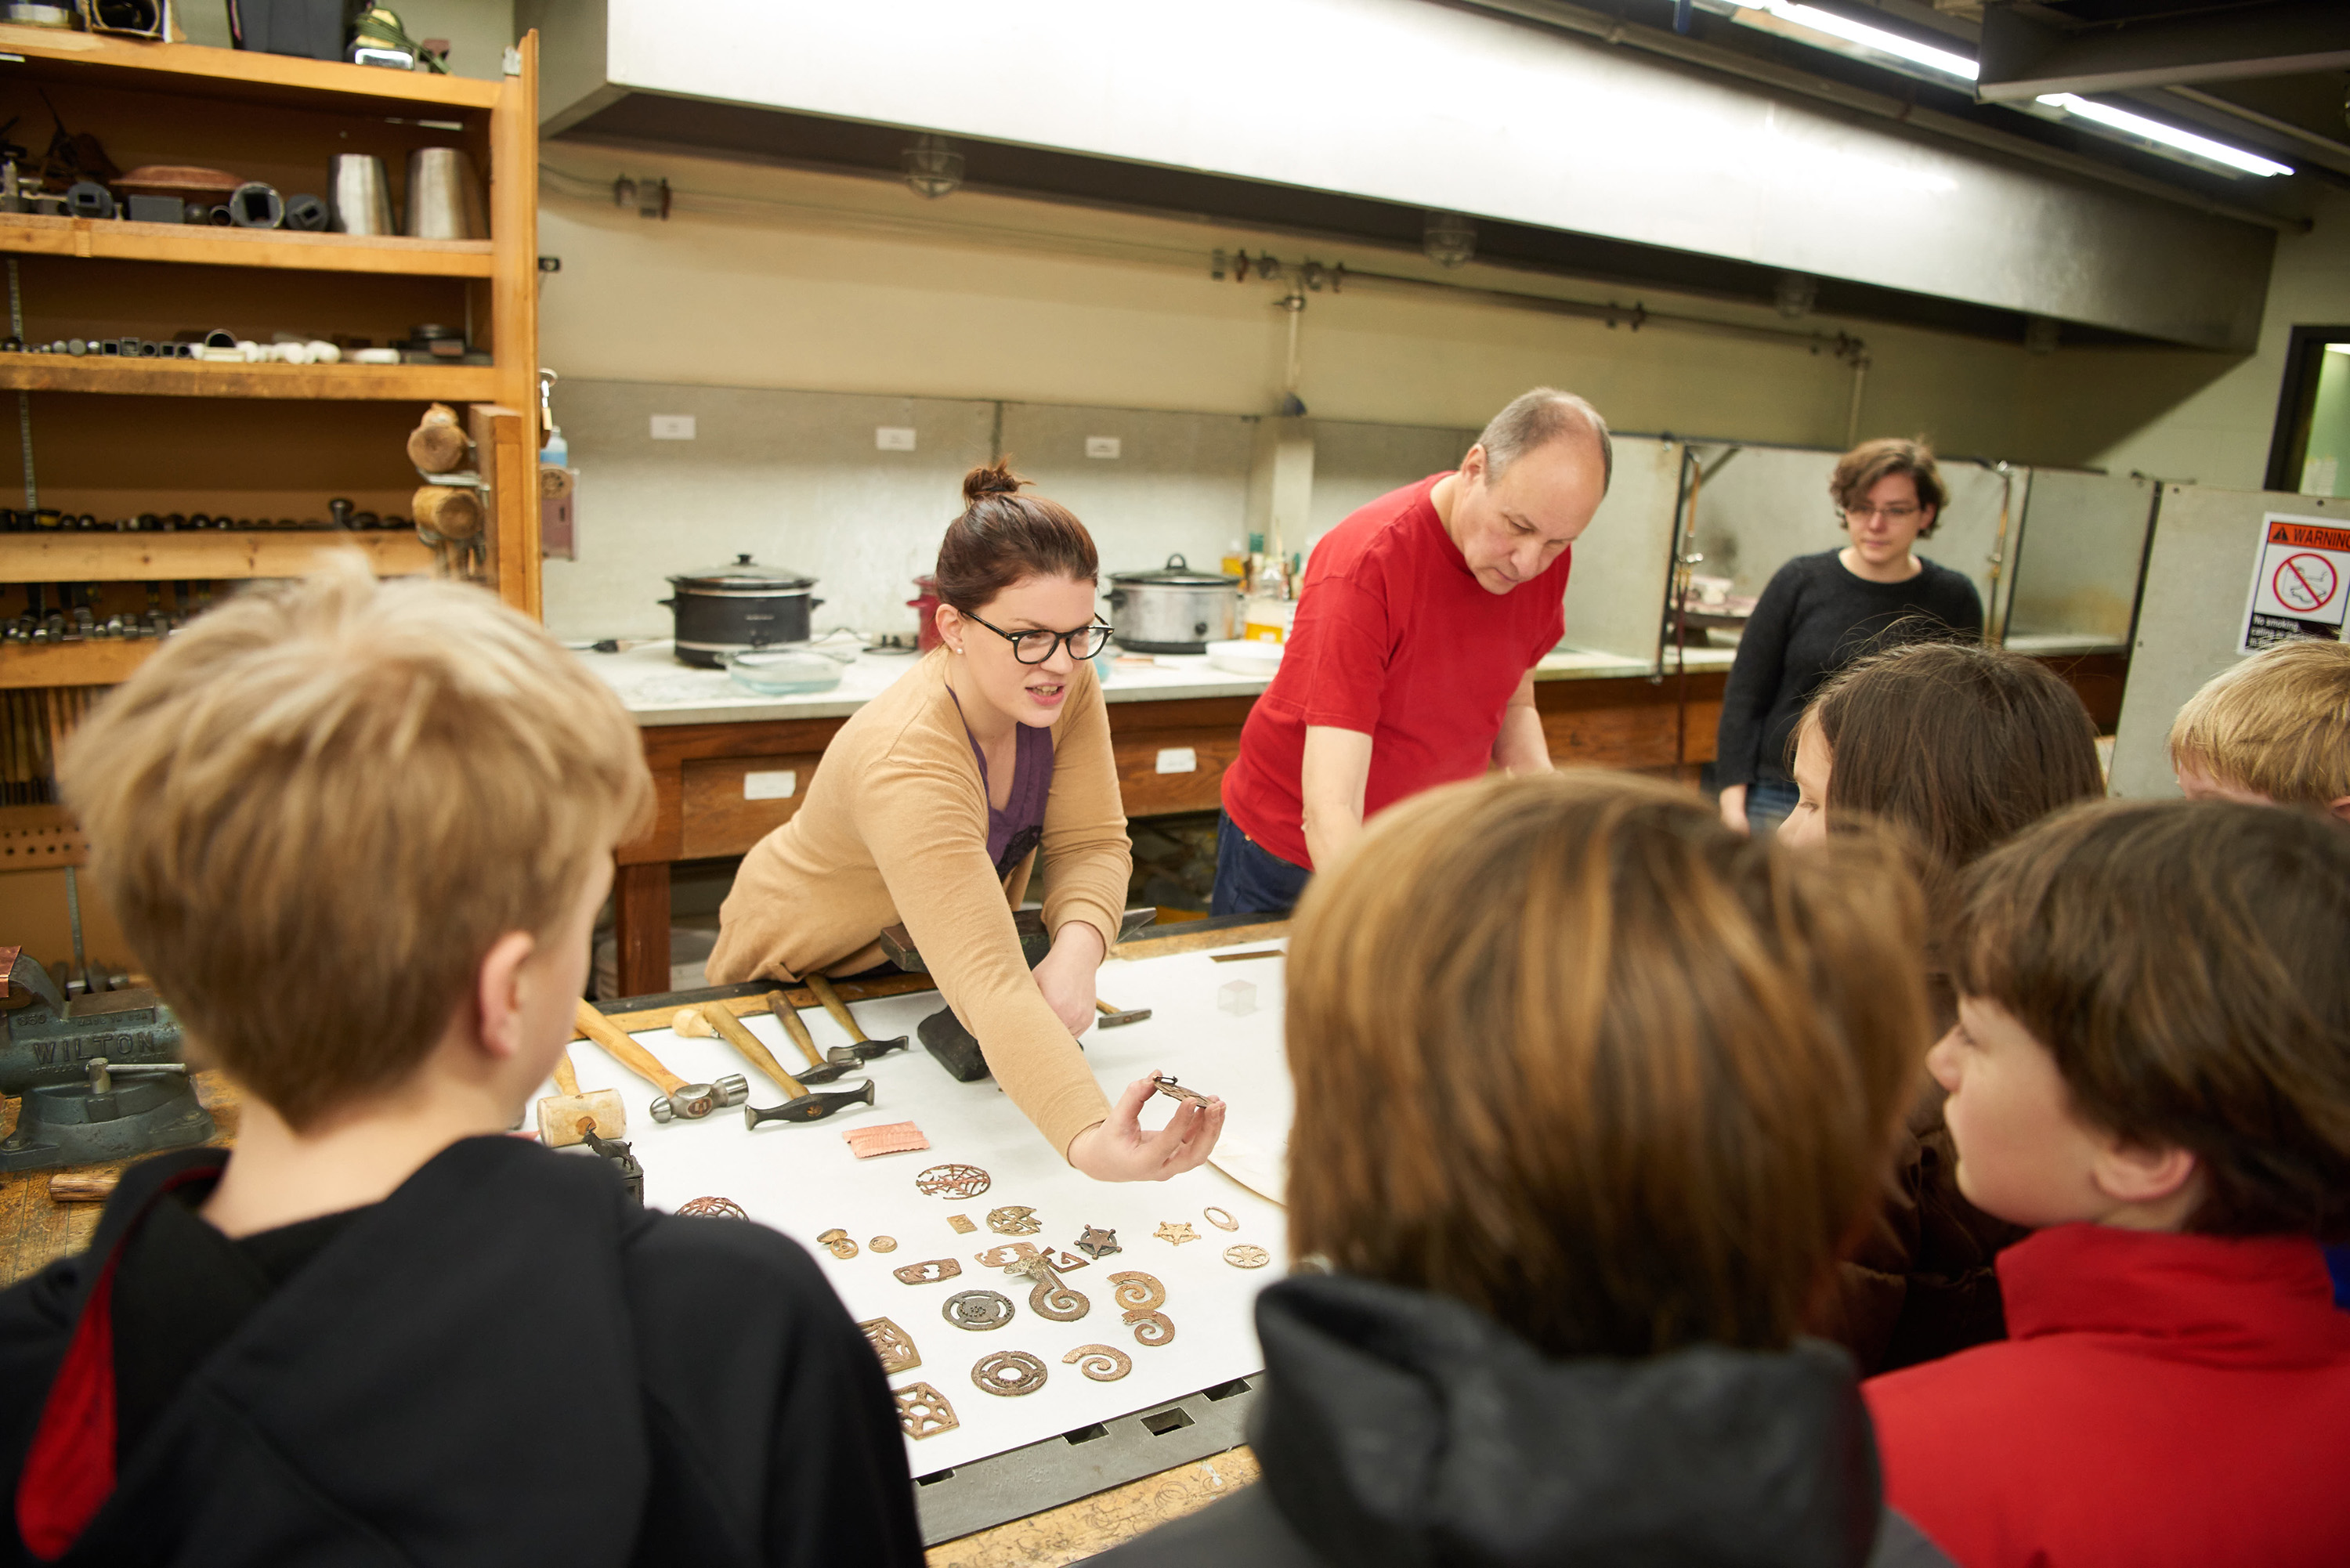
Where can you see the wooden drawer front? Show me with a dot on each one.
(1148, 791)
(729, 804)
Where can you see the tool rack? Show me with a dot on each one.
(118, 437)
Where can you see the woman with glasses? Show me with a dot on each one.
(987, 761)
(1822, 612)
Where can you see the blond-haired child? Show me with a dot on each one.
(2272, 730)
(358, 833)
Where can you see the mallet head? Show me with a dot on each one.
(565, 1119)
(1136, 1015)
(694, 1101)
(809, 1107)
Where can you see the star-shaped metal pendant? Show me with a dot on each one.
(1176, 1232)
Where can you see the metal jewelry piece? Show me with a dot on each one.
(1102, 1362)
(1016, 1219)
(1098, 1244)
(1175, 1091)
(1151, 1328)
(977, 1311)
(924, 1411)
(1221, 1218)
(1067, 1261)
(962, 1224)
(952, 1181)
(893, 1344)
(712, 1208)
(928, 1274)
(1006, 1255)
(895, 1137)
(883, 1243)
(1175, 1232)
(1137, 1291)
(1051, 1298)
(1247, 1257)
(836, 1242)
(1010, 1372)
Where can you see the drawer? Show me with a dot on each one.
(726, 804)
(1173, 770)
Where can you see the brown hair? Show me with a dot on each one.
(2182, 962)
(1959, 744)
(1858, 471)
(1003, 538)
(317, 808)
(1569, 1050)
(2278, 723)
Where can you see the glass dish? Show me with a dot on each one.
(783, 671)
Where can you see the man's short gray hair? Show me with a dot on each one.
(1538, 418)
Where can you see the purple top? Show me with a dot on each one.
(1018, 826)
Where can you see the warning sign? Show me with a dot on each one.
(2300, 583)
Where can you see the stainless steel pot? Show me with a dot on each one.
(737, 607)
(1173, 609)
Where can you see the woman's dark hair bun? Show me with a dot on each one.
(991, 479)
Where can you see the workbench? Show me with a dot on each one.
(1112, 1459)
(730, 767)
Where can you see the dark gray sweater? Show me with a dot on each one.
(1815, 619)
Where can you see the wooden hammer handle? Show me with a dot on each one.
(567, 1082)
(624, 1050)
(781, 1006)
(822, 986)
(752, 1050)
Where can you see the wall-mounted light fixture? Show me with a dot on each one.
(933, 167)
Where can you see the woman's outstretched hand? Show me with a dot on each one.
(1120, 1150)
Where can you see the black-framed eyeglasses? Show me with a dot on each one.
(1035, 647)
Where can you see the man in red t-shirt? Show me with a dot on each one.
(1412, 661)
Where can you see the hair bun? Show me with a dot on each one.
(991, 479)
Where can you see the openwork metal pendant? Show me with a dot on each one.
(1051, 1298)
(928, 1274)
(924, 1411)
(1014, 1219)
(712, 1208)
(952, 1181)
(893, 1344)
(1010, 1372)
(1247, 1257)
(977, 1311)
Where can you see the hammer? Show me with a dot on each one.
(809, 1107)
(567, 1116)
(680, 1100)
(1112, 1017)
(730, 1028)
(864, 1050)
(802, 1107)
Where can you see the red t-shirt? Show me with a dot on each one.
(1396, 640)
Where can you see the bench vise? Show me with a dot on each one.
(99, 1078)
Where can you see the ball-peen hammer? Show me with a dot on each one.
(678, 1099)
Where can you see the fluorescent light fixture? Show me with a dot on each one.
(1877, 39)
(2168, 135)
(2337, 347)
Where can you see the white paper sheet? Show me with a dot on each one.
(803, 1181)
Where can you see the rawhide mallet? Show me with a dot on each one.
(567, 1116)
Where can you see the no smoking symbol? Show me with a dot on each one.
(2304, 582)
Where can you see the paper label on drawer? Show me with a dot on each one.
(781, 783)
(1177, 760)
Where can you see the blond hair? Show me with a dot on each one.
(2278, 723)
(315, 809)
(1571, 1051)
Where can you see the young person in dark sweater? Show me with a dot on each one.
(359, 835)
(1633, 1080)
(1821, 612)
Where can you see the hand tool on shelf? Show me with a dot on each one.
(1112, 1018)
(865, 1048)
(678, 1099)
(567, 1116)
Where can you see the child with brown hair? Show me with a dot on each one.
(1590, 1088)
(2273, 730)
(359, 834)
(1960, 747)
(2152, 1067)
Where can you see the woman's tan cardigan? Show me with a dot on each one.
(894, 829)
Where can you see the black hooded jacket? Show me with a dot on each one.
(1400, 1429)
(504, 1362)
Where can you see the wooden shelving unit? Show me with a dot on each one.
(198, 378)
(36, 234)
(116, 428)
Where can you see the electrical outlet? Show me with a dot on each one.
(673, 427)
(893, 438)
(1101, 446)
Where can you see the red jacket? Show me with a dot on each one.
(2162, 1400)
